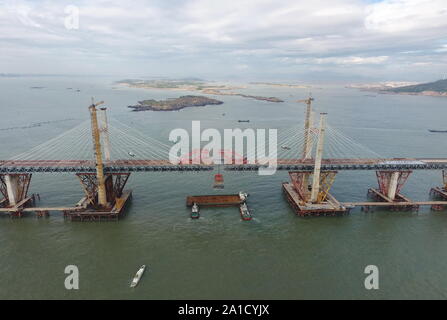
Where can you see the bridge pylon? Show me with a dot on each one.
(313, 199)
(105, 197)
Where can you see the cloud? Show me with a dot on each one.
(406, 15)
(261, 38)
(353, 60)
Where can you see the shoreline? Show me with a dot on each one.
(202, 88)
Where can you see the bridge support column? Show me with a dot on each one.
(391, 183)
(14, 188)
(298, 193)
(440, 192)
(392, 186)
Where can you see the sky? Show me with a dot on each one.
(299, 40)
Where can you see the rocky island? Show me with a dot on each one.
(174, 103)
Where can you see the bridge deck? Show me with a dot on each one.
(17, 166)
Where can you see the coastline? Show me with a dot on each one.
(202, 88)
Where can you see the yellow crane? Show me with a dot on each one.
(102, 197)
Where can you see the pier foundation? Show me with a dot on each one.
(390, 184)
(440, 192)
(299, 194)
(14, 189)
(89, 208)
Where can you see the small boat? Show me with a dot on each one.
(285, 147)
(245, 213)
(195, 211)
(131, 154)
(437, 130)
(243, 196)
(138, 276)
(243, 121)
(218, 181)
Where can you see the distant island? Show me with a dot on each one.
(275, 84)
(436, 88)
(218, 92)
(193, 85)
(173, 104)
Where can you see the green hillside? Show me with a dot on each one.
(438, 86)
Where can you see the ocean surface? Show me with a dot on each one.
(277, 255)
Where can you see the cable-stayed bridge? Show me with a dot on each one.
(132, 151)
(102, 153)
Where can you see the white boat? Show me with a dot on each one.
(285, 147)
(195, 211)
(138, 276)
(245, 213)
(131, 154)
(243, 196)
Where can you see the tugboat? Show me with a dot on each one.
(195, 211)
(138, 276)
(245, 213)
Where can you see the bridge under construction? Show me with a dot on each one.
(104, 175)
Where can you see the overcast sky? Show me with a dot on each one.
(325, 40)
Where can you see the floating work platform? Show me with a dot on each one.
(329, 207)
(224, 200)
(438, 192)
(399, 203)
(80, 212)
(86, 214)
(16, 211)
(394, 204)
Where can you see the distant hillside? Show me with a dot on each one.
(439, 86)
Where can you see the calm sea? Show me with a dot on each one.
(275, 256)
